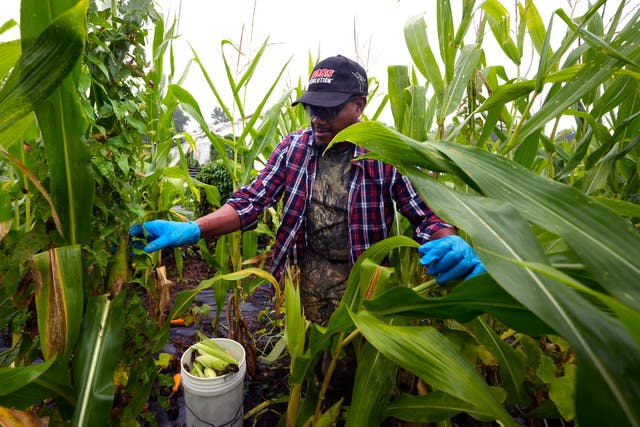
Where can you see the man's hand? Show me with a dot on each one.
(166, 234)
(450, 258)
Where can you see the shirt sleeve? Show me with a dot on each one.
(411, 205)
(264, 191)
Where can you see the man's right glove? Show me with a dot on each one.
(450, 258)
(166, 234)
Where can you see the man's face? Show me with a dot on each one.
(327, 122)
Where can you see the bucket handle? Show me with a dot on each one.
(235, 418)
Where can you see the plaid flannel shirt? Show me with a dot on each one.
(290, 173)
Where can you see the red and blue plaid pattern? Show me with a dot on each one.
(289, 175)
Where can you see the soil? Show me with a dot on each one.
(264, 381)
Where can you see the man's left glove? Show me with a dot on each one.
(166, 234)
(450, 258)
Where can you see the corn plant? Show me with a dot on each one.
(554, 323)
(527, 227)
(44, 81)
(253, 137)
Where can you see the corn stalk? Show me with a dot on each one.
(559, 261)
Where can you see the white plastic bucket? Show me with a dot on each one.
(215, 401)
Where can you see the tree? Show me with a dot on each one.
(180, 119)
(219, 116)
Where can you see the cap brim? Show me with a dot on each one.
(322, 99)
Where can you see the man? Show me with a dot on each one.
(334, 207)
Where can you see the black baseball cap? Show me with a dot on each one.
(333, 81)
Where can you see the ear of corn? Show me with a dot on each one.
(210, 360)
(196, 369)
(209, 346)
(210, 373)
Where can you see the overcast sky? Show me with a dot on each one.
(370, 31)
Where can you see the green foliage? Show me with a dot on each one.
(113, 79)
(216, 175)
(555, 322)
(50, 180)
(551, 334)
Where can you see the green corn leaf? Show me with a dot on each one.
(614, 94)
(618, 145)
(628, 316)
(46, 59)
(251, 69)
(249, 244)
(415, 120)
(446, 37)
(607, 352)
(521, 30)
(329, 418)
(578, 155)
(7, 26)
(621, 207)
(25, 386)
(190, 106)
(429, 355)
(5, 213)
(213, 88)
(222, 254)
(373, 384)
(545, 54)
(468, 9)
(511, 91)
(295, 321)
(96, 359)
(466, 301)
(535, 26)
(374, 254)
(464, 72)
(411, 153)
(269, 122)
(512, 365)
(262, 143)
(59, 299)
(568, 41)
(158, 49)
(243, 83)
(491, 128)
(431, 408)
(527, 151)
(60, 115)
(605, 242)
(596, 41)
(13, 134)
(415, 34)
(9, 54)
(184, 299)
(593, 74)
(499, 19)
(398, 80)
(608, 356)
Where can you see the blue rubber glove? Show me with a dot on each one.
(166, 234)
(450, 258)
